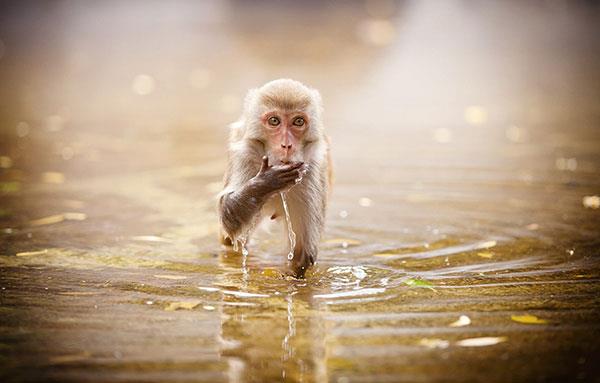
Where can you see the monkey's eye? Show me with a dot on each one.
(274, 121)
(299, 121)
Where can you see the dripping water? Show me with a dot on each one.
(291, 234)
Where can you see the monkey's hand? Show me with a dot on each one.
(271, 179)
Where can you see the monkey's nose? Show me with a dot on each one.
(286, 146)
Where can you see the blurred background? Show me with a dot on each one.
(458, 128)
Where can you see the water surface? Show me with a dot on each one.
(465, 142)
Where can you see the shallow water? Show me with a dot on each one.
(465, 139)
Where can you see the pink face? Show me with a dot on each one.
(284, 134)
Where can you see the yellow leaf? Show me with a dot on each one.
(434, 343)
(528, 319)
(487, 244)
(271, 273)
(48, 220)
(591, 201)
(79, 293)
(485, 254)
(481, 342)
(172, 277)
(70, 358)
(32, 253)
(463, 320)
(384, 255)
(53, 178)
(74, 216)
(189, 305)
(150, 238)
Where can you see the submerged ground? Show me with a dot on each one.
(462, 241)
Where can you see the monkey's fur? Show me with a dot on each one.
(252, 186)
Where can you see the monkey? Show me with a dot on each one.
(278, 145)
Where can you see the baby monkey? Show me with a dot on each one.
(278, 146)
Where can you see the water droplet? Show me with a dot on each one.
(291, 234)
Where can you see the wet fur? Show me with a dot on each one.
(307, 201)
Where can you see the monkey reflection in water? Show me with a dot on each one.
(279, 167)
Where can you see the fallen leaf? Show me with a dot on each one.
(189, 305)
(47, 220)
(591, 201)
(418, 283)
(70, 357)
(434, 343)
(32, 253)
(384, 255)
(79, 293)
(57, 218)
(528, 319)
(74, 216)
(481, 342)
(10, 187)
(487, 244)
(271, 273)
(172, 277)
(485, 254)
(463, 320)
(53, 178)
(365, 202)
(150, 238)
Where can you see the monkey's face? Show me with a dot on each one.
(285, 132)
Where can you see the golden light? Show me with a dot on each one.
(365, 202)
(476, 115)
(591, 201)
(442, 135)
(5, 162)
(143, 84)
(53, 178)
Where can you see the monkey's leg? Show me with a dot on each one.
(224, 239)
(307, 223)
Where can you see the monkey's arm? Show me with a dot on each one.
(238, 208)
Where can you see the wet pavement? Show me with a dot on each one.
(462, 239)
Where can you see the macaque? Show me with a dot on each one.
(278, 146)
